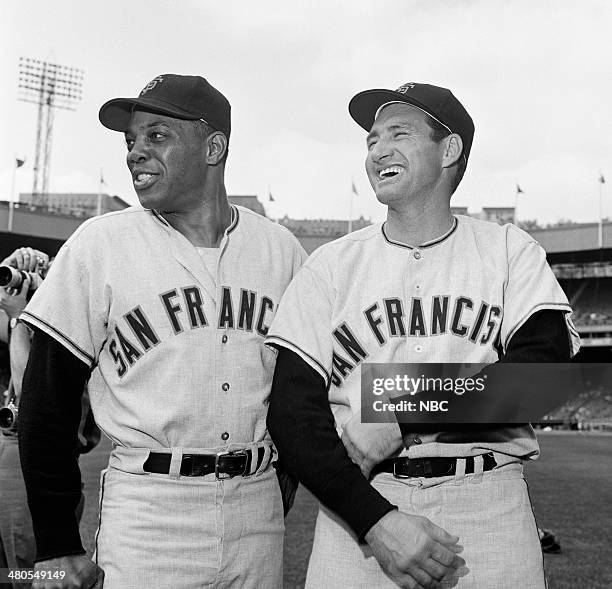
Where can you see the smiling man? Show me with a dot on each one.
(164, 309)
(416, 506)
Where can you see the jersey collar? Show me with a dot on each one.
(233, 221)
(423, 245)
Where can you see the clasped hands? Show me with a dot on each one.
(411, 549)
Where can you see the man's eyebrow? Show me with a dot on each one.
(393, 127)
(402, 126)
(156, 123)
(159, 123)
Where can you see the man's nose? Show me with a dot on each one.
(381, 150)
(139, 151)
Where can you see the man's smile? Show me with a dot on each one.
(142, 180)
(389, 173)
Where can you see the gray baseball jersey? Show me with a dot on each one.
(459, 298)
(177, 350)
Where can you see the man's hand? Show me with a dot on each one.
(368, 444)
(415, 552)
(81, 573)
(13, 301)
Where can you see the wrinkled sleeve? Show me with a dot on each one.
(72, 302)
(302, 322)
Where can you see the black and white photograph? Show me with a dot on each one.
(306, 295)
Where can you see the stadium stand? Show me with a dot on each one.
(591, 299)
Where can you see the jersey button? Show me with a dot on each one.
(224, 436)
(225, 386)
(417, 255)
(418, 348)
(224, 339)
(417, 440)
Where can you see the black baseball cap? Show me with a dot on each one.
(438, 103)
(181, 97)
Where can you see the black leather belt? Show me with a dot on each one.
(403, 468)
(224, 465)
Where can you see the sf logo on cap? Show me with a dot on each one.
(403, 89)
(152, 84)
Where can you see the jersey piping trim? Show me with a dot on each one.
(102, 489)
(275, 339)
(425, 245)
(541, 306)
(235, 218)
(160, 217)
(59, 336)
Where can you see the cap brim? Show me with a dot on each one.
(116, 113)
(364, 106)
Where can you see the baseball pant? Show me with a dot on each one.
(489, 511)
(189, 532)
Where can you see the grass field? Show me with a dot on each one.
(571, 490)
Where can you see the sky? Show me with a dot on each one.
(536, 77)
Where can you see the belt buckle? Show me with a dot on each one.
(396, 475)
(226, 475)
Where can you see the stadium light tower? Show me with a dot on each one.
(50, 86)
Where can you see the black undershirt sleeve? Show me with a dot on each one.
(49, 417)
(302, 427)
(542, 338)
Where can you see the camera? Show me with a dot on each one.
(8, 416)
(11, 278)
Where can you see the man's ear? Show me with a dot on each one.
(217, 148)
(453, 148)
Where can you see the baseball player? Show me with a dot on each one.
(402, 505)
(164, 308)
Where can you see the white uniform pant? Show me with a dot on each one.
(189, 532)
(490, 512)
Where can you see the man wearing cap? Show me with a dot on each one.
(408, 504)
(164, 309)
